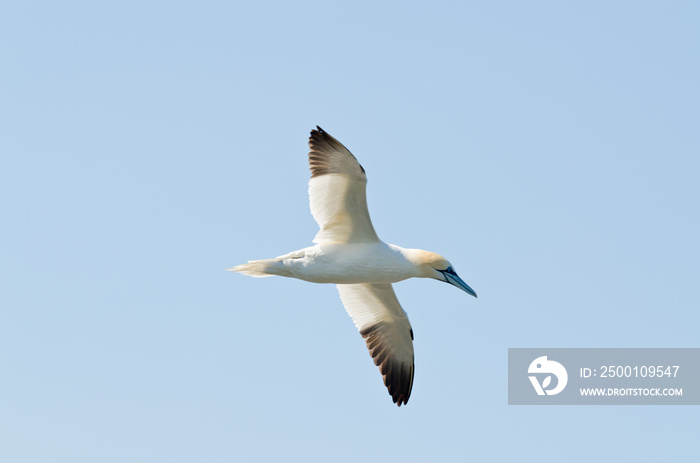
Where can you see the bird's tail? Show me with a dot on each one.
(262, 268)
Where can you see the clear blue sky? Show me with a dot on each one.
(550, 150)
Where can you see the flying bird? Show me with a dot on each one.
(349, 254)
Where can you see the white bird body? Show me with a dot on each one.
(349, 254)
(341, 263)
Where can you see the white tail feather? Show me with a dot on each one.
(262, 268)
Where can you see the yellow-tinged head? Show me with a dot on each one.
(433, 265)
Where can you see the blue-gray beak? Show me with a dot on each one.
(452, 278)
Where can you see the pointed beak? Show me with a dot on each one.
(455, 280)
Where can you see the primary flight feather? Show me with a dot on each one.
(349, 253)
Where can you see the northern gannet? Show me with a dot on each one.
(349, 253)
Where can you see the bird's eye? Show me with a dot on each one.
(449, 270)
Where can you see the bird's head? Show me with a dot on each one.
(435, 266)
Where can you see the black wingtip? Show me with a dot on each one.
(398, 378)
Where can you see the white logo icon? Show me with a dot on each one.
(541, 365)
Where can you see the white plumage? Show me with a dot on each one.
(349, 253)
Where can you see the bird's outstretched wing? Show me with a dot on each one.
(337, 192)
(385, 327)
